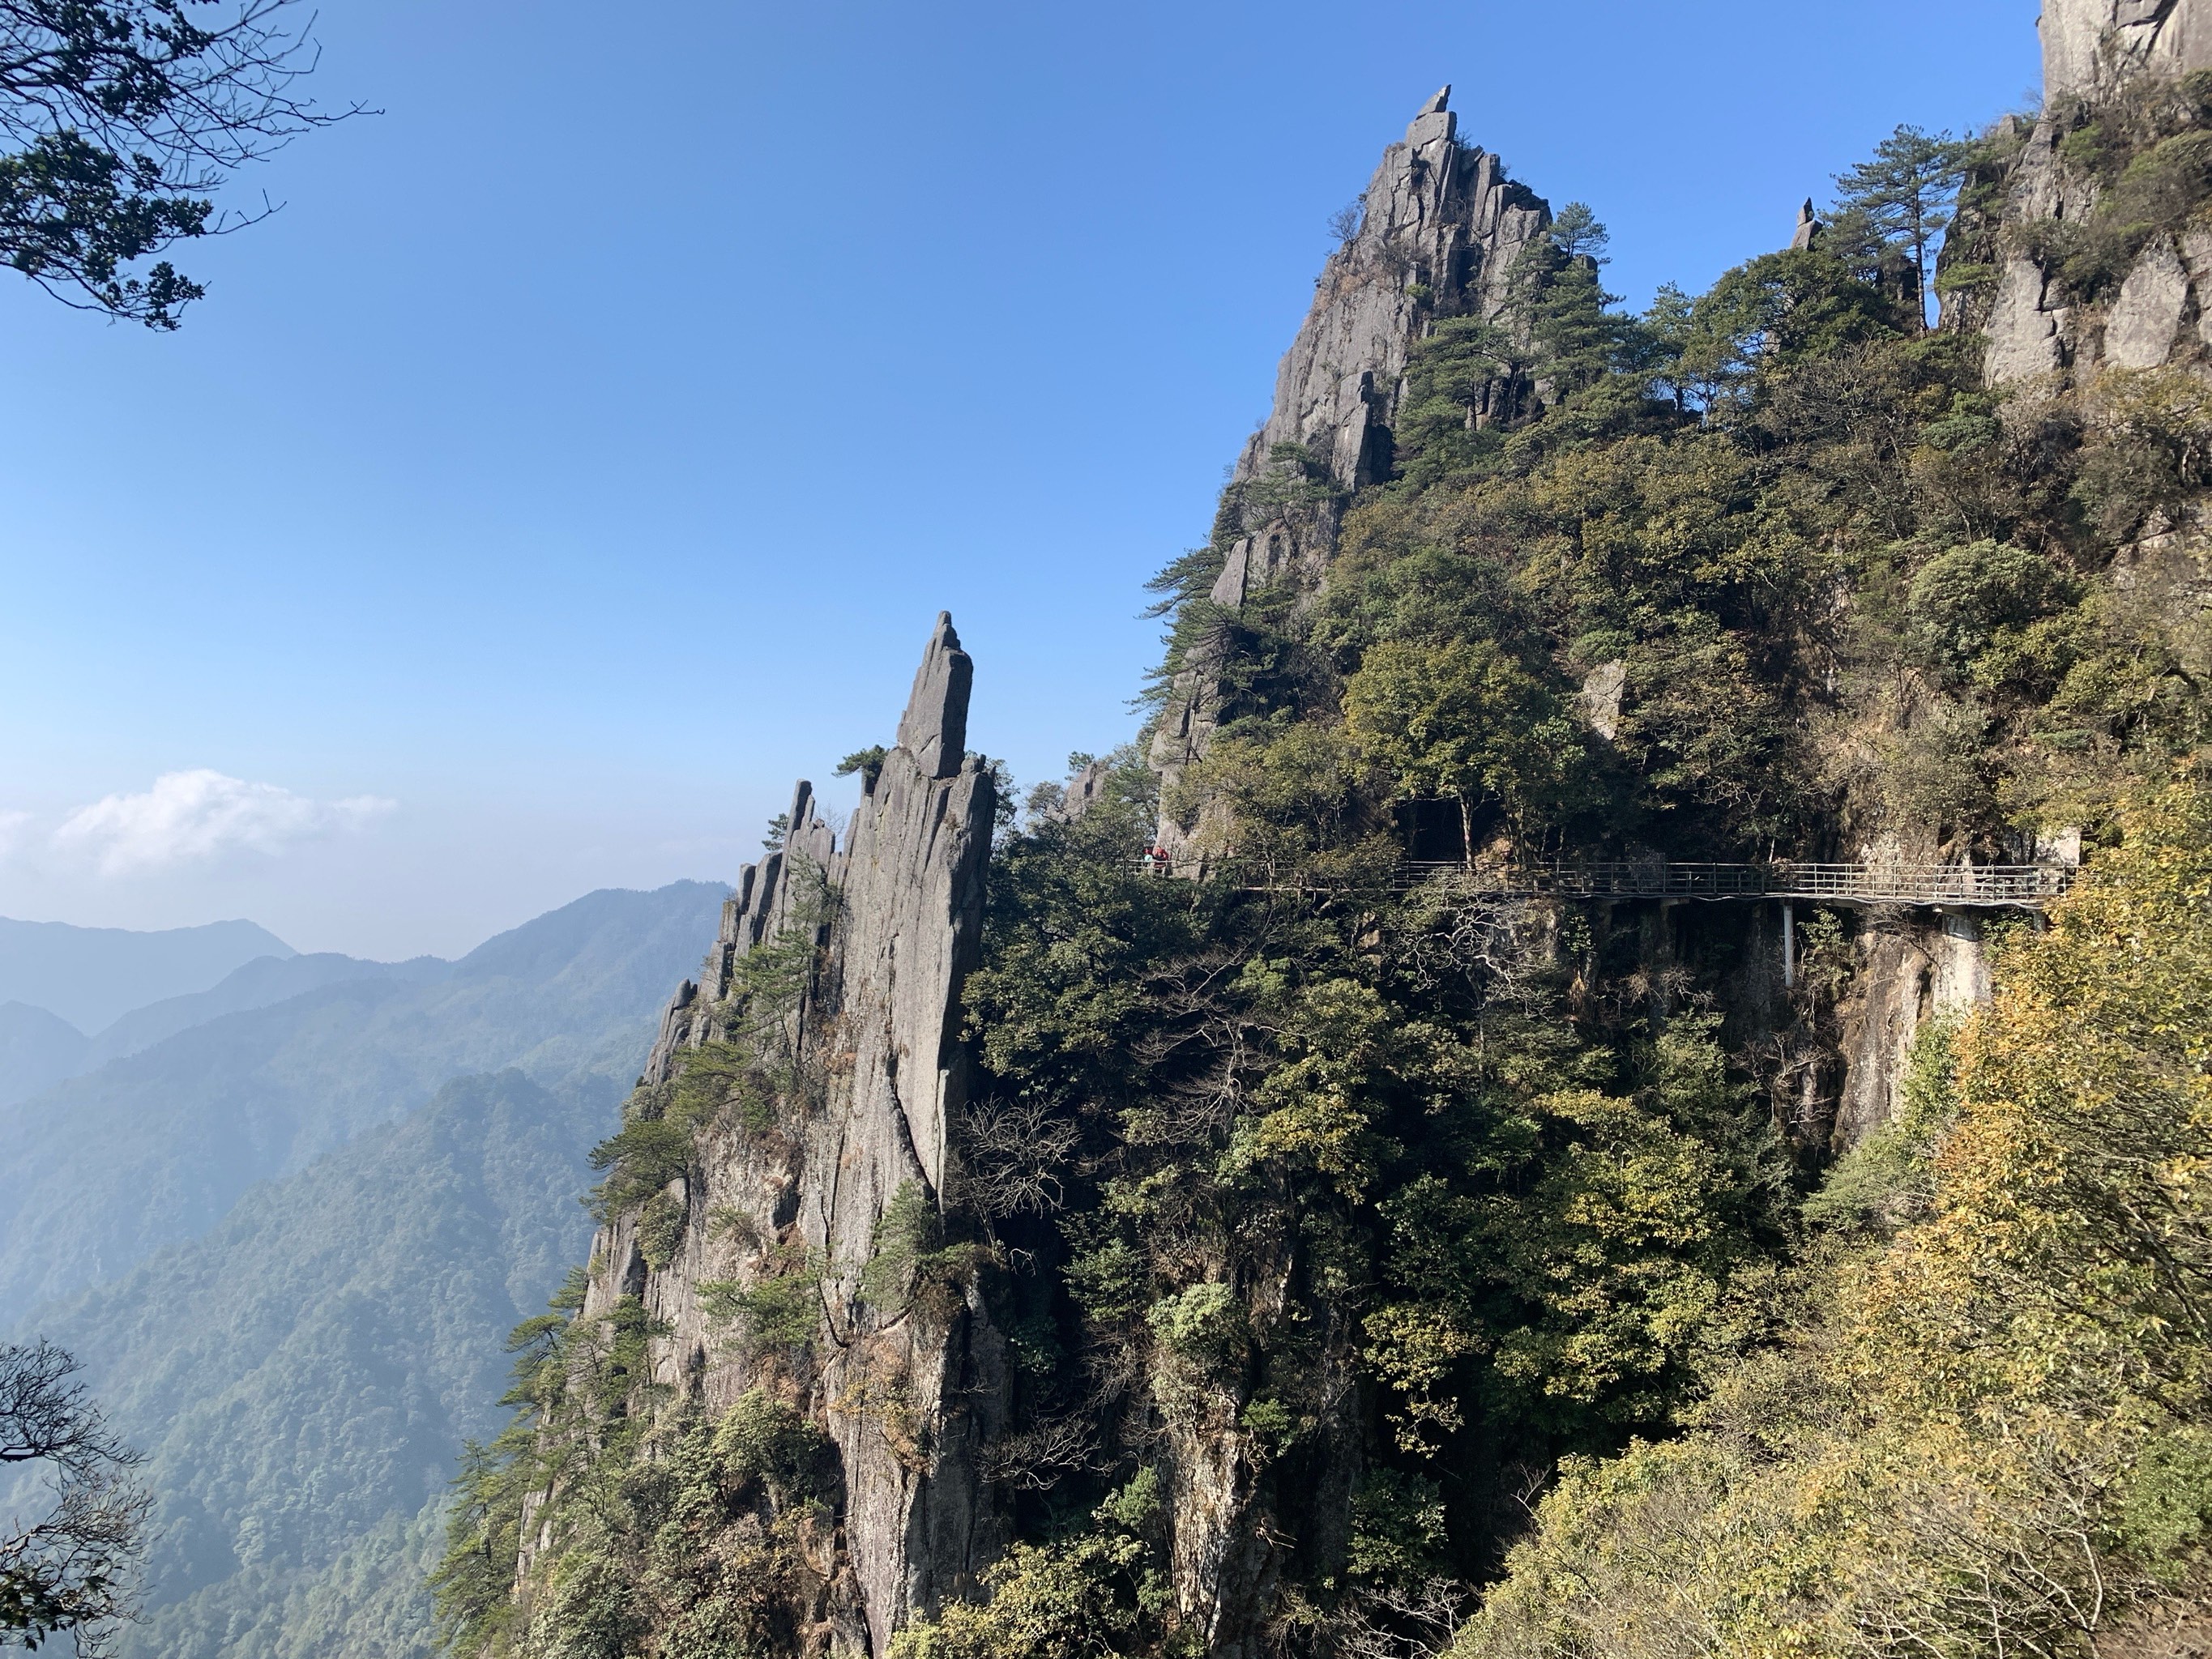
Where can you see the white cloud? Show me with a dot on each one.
(190, 816)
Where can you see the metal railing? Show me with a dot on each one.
(2018, 885)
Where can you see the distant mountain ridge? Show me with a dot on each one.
(288, 1228)
(38, 1049)
(90, 975)
(153, 1147)
(264, 980)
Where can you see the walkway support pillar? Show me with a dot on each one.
(1789, 946)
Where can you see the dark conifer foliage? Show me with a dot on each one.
(122, 119)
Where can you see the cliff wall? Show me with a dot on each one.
(2053, 257)
(824, 1026)
(1321, 1253)
(2092, 45)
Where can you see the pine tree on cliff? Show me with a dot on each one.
(1898, 199)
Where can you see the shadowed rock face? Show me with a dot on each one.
(877, 1028)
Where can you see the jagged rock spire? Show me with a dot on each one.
(894, 908)
(934, 728)
(1440, 230)
(1808, 227)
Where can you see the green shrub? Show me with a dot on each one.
(1963, 600)
(764, 1439)
(1397, 1527)
(1096, 1594)
(1110, 1281)
(910, 1267)
(782, 1309)
(1205, 1324)
(660, 1230)
(2150, 447)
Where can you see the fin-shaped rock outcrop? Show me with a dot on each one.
(827, 1011)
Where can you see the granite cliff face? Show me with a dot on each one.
(1224, 1331)
(2046, 317)
(873, 934)
(2092, 45)
(2071, 267)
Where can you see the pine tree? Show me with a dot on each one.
(1901, 199)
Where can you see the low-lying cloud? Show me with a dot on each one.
(191, 818)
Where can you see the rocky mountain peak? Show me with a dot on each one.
(934, 728)
(1436, 235)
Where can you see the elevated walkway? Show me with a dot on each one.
(1997, 886)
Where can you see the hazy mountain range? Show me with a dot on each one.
(285, 1219)
(88, 976)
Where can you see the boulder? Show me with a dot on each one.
(2023, 337)
(2140, 333)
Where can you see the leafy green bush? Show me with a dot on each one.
(910, 1267)
(1992, 1422)
(781, 1309)
(2150, 448)
(699, 1547)
(1397, 1527)
(1204, 1324)
(1097, 1593)
(1962, 600)
(660, 1230)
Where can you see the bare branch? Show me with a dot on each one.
(1014, 1154)
(74, 1569)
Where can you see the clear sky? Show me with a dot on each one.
(586, 448)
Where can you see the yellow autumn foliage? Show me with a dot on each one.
(1995, 1435)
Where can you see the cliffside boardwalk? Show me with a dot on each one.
(1997, 886)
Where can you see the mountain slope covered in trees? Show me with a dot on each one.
(302, 1377)
(1307, 1229)
(107, 1169)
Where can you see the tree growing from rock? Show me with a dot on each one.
(1900, 197)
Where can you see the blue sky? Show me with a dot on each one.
(586, 448)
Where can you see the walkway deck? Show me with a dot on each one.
(2010, 886)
